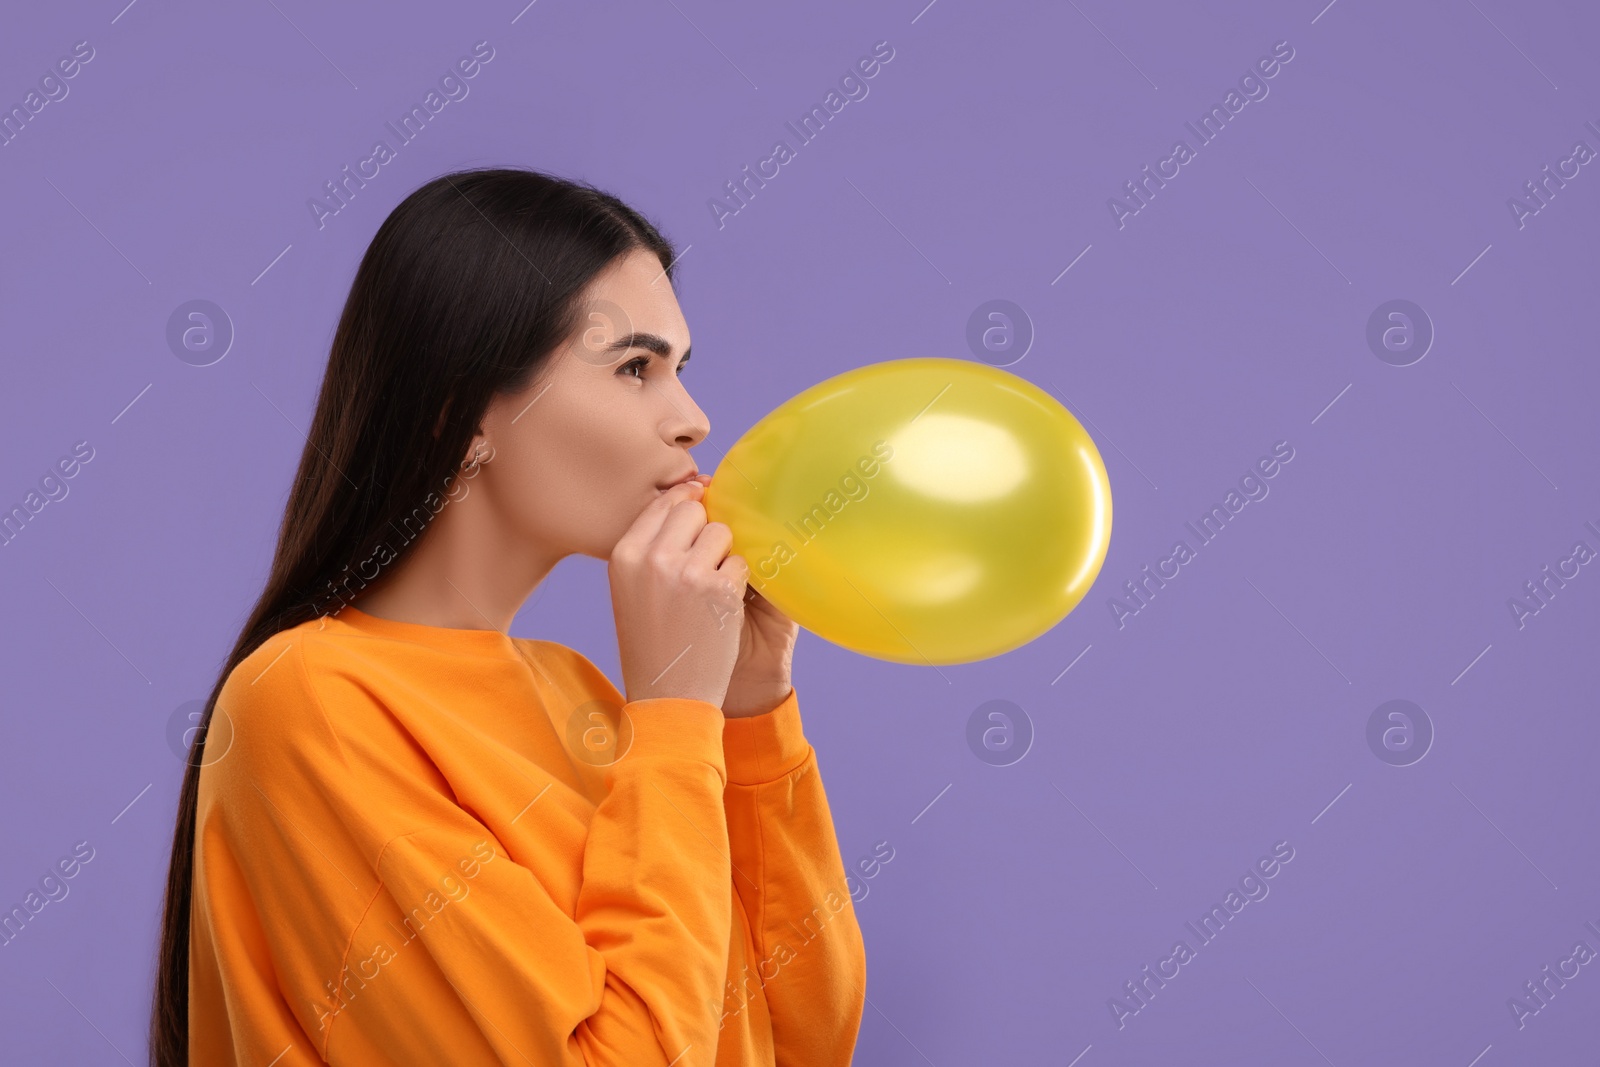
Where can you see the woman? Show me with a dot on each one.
(407, 837)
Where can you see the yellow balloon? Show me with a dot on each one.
(927, 511)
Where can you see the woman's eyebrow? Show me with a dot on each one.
(653, 342)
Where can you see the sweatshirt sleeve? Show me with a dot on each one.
(633, 980)
(791, 881)
(401, 931)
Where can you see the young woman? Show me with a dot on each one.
(406, 837)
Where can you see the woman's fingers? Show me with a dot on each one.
(674, 589)
(650, 521)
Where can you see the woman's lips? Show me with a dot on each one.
(687, 477)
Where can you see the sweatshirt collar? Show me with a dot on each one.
(442, 637)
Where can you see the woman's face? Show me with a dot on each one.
(578, 454)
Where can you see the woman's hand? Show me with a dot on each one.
(766, 655)
(761, 674)
(678, 597)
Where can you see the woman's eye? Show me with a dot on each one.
(640, 364)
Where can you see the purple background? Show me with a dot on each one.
(1229, 314)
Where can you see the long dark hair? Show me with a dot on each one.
(467, 289)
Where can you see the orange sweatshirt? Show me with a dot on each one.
(421, 845)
